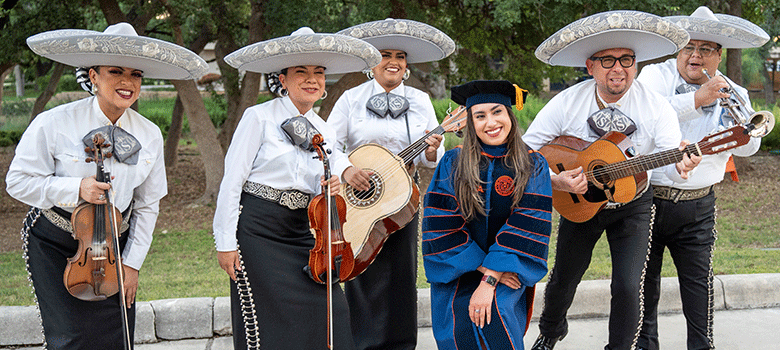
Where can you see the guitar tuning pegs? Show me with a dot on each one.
(108, 155)
(89, 160)
(88, 149)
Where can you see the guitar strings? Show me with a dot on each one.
(635, 165)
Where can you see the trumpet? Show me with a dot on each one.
(758, 124)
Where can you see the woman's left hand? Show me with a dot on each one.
(433, 142)
(335, 184)
(481, 304)
(131, 284)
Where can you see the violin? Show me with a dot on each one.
(95, 272)
(331, 253)
(327, 214)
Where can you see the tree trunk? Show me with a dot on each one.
(250, 84)
(5, 70)
(177, 122)
(174, 134)
(434, 83)
(51, 88)
(734, 65)
(19, 80)
(205, 136)
(346, 82)
(734, 56)
(769, 88)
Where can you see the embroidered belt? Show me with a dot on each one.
(676, 194)
(61, 218)
(292, 199)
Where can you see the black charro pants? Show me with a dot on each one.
(383, 299)
(628, 232)
(687, 228)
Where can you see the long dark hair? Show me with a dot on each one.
(470, 160)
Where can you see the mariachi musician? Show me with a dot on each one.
(609, 45)
(685, 212)
(383, 299)
(50, 173)
(261, 227)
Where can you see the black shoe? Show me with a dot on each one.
(546, 343)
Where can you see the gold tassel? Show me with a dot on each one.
(520, 95)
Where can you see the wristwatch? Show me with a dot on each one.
(492, 281)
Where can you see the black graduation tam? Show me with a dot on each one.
(489, 91)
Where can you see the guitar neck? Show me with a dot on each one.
(644, 163)
(409, 153)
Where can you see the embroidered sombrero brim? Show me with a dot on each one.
(337, 53)
(729, 31)
(119, 45)
(420, 41)
(648, 35)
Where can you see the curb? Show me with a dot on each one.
(199, 318)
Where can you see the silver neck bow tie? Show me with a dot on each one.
(686, 88)
(611, 119)
(121, 144)
(385, 103)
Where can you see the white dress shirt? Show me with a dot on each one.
(260, 152)
(695, 124)
(50, 163)
(567, 113)
(355, 126)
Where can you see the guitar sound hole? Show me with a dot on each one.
(601, 175)
(369, 197)
(364, 195)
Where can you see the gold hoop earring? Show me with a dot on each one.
(324, 95)
(407, 73)
(370, 74)
(94, 89)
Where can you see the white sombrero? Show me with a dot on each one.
(119, 45)
(421, 42)
(337, 53)
(729, 31)
(648, 35)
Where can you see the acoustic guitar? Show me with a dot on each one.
(613, 170)
(392, 199)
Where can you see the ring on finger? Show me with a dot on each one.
(101, 197)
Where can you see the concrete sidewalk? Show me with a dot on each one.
(747, 317)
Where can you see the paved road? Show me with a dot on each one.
(754, 329)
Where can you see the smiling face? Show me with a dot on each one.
(305, 85)
(117, 88)
(492, 123)
(612, 82)
(690, 64)
(390, 72)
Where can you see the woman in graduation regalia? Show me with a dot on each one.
(486, 225)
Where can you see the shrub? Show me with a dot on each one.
(68, 83)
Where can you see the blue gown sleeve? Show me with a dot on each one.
(522, 244)
(448, 250)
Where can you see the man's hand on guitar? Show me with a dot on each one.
(357, 178)
(688, 162)
(573, 181)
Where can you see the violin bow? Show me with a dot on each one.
(120, 273)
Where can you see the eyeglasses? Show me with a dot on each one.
(608, 62)
(704, 51)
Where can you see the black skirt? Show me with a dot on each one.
(291, 308)
(70, 323)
